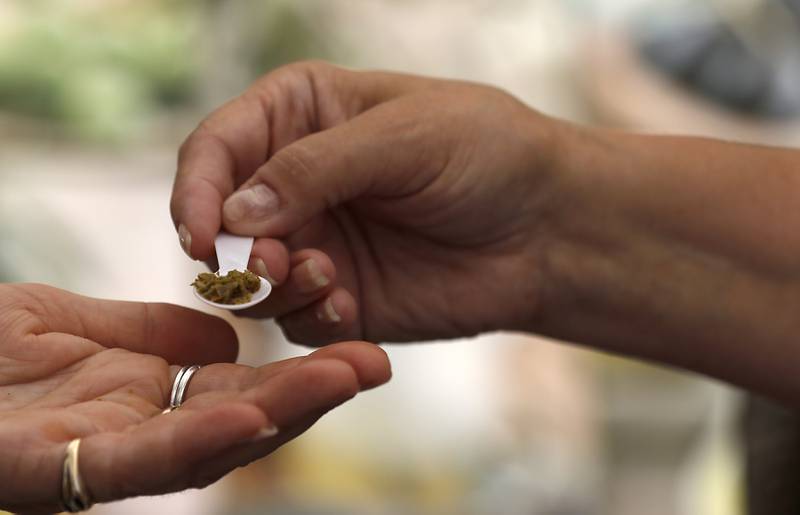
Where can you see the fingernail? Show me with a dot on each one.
(254, 203)
(310, 277)
(261, 269)
(264, 433)
(185, 237)
(327, 313)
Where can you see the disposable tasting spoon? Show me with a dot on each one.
(233, 253)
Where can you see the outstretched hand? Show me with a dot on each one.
(76, 367)
(392, 207)
(380, 201)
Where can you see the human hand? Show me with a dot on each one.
(387, 207)
(75, 367)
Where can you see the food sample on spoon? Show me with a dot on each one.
(233, 288)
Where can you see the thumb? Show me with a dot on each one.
(375, 154)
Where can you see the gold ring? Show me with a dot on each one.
(74, 494)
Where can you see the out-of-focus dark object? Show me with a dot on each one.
(772, 445)
(746, 61)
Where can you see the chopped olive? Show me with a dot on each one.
(234, 288)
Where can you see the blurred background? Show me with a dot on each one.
(96, 96)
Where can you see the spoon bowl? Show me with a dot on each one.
(262, 293)
(233, 252)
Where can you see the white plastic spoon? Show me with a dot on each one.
(233, 253)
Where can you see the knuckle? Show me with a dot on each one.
(281, 73)
(183, 149)
(292, 74)
(310, 65)
(189, 144)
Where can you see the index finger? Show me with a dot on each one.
(233, 141)
(225, 149)
(177, 334)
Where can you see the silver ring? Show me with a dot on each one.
(74, 495)
(179, 387)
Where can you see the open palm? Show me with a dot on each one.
(75, 367)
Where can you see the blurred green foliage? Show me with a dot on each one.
(101, 70)
(283, 33)
(97, 70)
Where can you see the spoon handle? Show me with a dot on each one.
(233, 252)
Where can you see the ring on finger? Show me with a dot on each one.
(74, 495)
(179, 387)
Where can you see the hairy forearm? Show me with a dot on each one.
(680, 250)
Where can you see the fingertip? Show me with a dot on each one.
(311, 271)
(378, 369)
(369, 361)
(335, 380)
(339, 309)
(197, 238)
(310, 388)
(270, 260)
(334, 318)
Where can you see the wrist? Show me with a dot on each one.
(553, 177)
(585, 236)
(671, 249)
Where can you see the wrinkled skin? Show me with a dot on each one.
(72, 366)
(419, 200)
